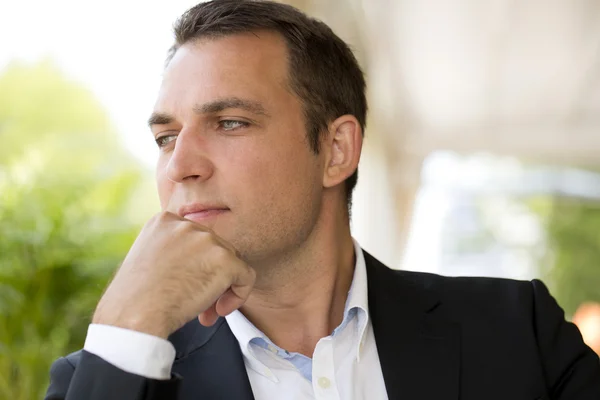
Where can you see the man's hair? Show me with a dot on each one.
(323, 72)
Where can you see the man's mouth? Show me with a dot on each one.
(201, 212)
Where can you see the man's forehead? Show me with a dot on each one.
(226, 67)
(241, 58)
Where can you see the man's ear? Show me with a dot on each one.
(343, 146)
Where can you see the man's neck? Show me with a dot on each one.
(304, 300)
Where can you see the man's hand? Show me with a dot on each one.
(175, 270)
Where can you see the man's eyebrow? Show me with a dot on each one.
(231, 102)
(158, 118)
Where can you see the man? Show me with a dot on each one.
(248, 283)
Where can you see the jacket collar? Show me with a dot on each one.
(419, 351)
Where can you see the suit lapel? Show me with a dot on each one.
(211, 363)
(419, 351)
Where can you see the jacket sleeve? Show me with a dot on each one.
(572, 369)
(95, 379)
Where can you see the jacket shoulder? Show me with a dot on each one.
(61, 373)
(498, 296)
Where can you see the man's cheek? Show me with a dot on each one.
(165, 191)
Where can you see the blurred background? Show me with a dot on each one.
(482, 151)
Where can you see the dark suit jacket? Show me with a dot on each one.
(438, 338)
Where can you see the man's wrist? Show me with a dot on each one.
(148, 323)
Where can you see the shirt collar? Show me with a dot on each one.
(358, 299)
(245, 331)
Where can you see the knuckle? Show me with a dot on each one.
(161, 218)
(205, 238)
(251, 273)
(220, 254)
(163, 215)
(153, 220)
(182, 227)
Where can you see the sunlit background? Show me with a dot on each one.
(482, 151)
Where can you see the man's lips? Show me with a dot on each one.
(201, 212)
(200, 216)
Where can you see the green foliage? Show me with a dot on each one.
(65, 204)
(573, 229)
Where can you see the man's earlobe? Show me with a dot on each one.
(344, 150)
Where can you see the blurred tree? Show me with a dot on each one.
(573, 259)
(66, 190)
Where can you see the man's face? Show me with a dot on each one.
(233, 147)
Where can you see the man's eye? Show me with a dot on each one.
(164, 140)
(231, 124)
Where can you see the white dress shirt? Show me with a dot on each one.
(345, 365)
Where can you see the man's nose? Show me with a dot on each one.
(189, 159)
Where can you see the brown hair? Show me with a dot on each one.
(324, 73)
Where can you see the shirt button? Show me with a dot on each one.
(324, 383)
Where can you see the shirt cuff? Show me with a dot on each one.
(134, 352)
